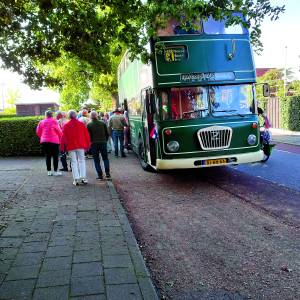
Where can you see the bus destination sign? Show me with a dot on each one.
(210, 76)
(175, 53)
(197, 77)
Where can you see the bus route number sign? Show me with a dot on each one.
(197, 77)
(175, 54)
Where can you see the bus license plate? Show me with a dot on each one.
(211, 162)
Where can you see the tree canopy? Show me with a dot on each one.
(34, 33)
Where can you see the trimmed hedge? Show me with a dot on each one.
(7, 116)
(290, 113)
(18, 137)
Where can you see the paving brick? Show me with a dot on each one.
(82, 286)
(67, 240)
(57, 251)
(54, 278)
(53, 293)
(114, 250)
(111, 231)
(87, 246)
(8, 253)
(86, 227)
(87, 256)
(90, 297)
(37, 237)
(123, 291)
(87, 269)
(28, 259)
(23, 272)
(15, 231)
(5, 265)
(7, 242)
(17, 289)
(56, 263)
(119, 276)
(34, 247)
(109, 223)
(117, 261)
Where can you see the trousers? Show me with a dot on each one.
(78, 163)
(51, 150)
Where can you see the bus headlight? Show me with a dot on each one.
(173, 146)
(251, 139)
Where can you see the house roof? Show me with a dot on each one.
(36, 103)
(261, 71)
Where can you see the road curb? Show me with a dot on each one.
(143, 276)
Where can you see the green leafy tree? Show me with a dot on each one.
(34, 33)
(12, 96)
(71, 77)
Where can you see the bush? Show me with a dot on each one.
(290, 113)
(18, 137)
(7, 115)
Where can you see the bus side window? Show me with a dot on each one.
(165, 106)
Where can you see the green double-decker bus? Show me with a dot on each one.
(194, 105)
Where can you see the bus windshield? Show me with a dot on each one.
(199, 102)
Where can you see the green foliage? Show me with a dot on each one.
(72, 79)
(290, 113)
(4, 115)
(18, 136)
(34, 33)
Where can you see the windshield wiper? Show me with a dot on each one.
(229, 110)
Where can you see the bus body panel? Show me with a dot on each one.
(190, 61)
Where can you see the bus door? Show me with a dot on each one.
(149, 129)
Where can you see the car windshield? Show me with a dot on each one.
(199, 102)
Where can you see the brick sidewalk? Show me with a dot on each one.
(64, 242)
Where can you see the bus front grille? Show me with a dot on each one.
(215, 137)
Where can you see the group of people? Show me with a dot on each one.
(80, 133)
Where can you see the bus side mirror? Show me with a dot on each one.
(125, 104)
(150, 104)
(266, 90)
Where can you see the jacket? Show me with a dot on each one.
(75, 136)
(117, 122)
(48, 131)
(98, 131)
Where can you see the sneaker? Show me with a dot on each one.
(108, 176)
(57, 173)
(100, 178)
(84, 181)
(50, 173)
(75, 182)
(63, 170)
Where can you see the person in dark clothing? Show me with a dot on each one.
(99, 136)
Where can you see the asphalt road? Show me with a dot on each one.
(217, 233)
(283, 167)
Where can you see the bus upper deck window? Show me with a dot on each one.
(212, 26)
(173, 28)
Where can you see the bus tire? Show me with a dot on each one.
(141, 156)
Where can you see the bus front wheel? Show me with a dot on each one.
(141, 156)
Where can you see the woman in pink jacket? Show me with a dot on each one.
(50, 134)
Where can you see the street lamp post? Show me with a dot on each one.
(285, 71)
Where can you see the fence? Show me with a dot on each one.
(273, 111)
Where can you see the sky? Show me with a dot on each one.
(280, 40)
